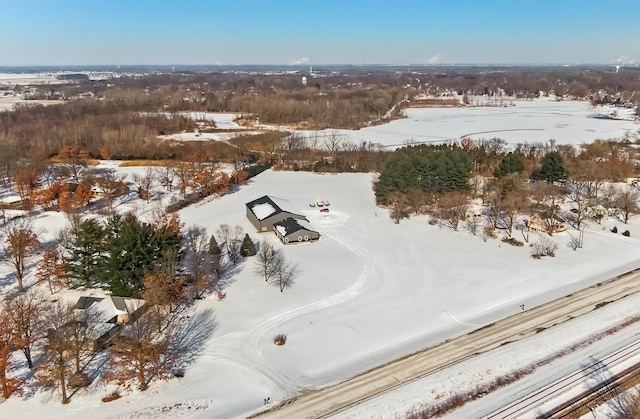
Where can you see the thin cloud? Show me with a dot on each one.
(302, 60)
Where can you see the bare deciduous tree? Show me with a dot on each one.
(452, 207)
(580, 204)
(198, 261)
(145, 182)
(112, 186)
(335, 142)
(183, 172)
(166, 176)
(417, 200)
(472, 223)
(55, 370)
(626, 201)
(283, 271)
(399, 206)
(231, 239)
(265, 259)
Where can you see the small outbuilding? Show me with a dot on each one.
(264, 212)
(291, 230)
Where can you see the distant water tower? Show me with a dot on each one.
(310, 69)
(304, 81)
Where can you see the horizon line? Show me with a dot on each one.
(304, 65)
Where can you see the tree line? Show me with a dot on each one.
(442, 180)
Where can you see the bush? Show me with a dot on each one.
(512, 241)
(544, 247)
(614, 229)
(189, 199)
(78, 380)
(488, 232)
(256, 169)
(280, 339)
(115, 395)
(626, 233)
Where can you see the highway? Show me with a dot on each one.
(333, 399)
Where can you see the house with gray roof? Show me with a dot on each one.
(291, 230)
(266, 214)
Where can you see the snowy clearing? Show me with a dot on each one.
(567, 122)
(368, 292)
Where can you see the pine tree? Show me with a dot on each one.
(510, 163)
(553, 169)
(214, 247)
(248, 248)
(134, 253)
(86, 253)
(428, 168)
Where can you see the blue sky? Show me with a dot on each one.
(128, 32)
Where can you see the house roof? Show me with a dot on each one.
(263, 207)
(108, 308)
(266, 206)
(289, 226)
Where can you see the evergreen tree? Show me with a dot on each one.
(134, 252)
(553, 169)
(510, 163)
(428, 168)
(86, 254)
(214, 248)
(247, 248)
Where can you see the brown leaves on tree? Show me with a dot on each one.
(21, 242)
(8, 385)
(51, 269)
(139, 352)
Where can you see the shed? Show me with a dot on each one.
(264, 212)
(291, 230)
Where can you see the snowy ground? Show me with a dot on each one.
(566, 122)
(7, 103)
(367, 292)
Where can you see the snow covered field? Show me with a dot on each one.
(567, 122)
(367, 292)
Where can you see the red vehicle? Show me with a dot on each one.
(324, 210)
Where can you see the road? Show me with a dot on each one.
(333, 399)
(566, 396)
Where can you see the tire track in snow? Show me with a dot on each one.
(256, 336)
(245, 348)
